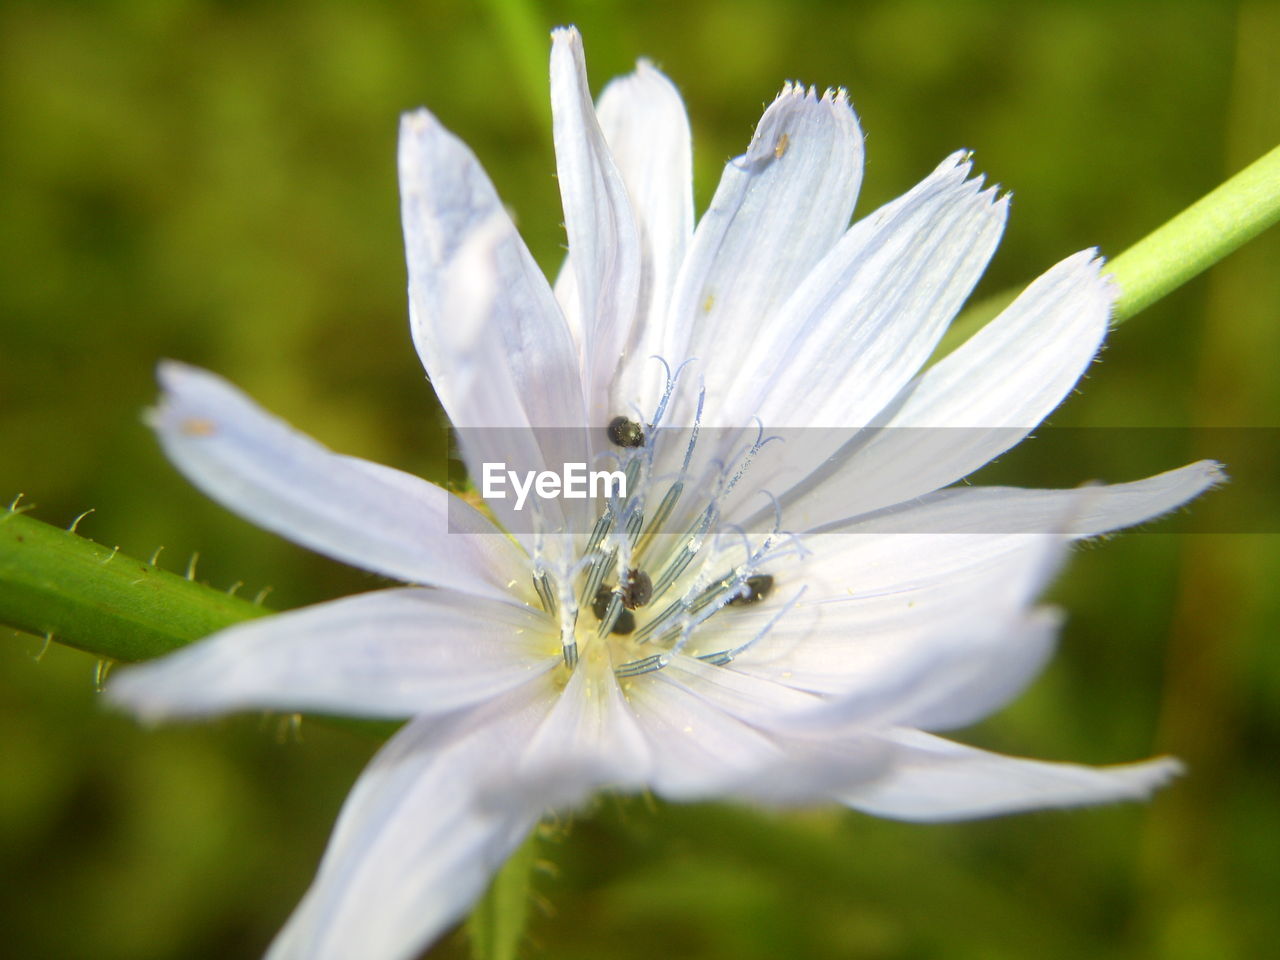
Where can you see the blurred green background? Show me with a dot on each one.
(215, 182)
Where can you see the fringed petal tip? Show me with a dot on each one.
(1215, 474)
(565, 36)
(798, 90)
(834, 99)
(958, 166)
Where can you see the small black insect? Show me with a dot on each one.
(626, 621)
(754, 589)
(625, 433)
(636, 588)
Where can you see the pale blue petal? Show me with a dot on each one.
(589, 735)
(645, 125)
(392, 653)
(872, 310)
(877, 611)
(414, 847)
(361, 513)
(1100, 509)
(779, 209)
(974, 404)
(934, 779)
(604, 239)
(445, 200)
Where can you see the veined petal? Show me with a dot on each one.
(590, 736)
(490, 390)
(779, 209)
(392, 653)
(644, 122)
(701, 750)
(977, 684)
(958, 675)
(872, 310)
(604, 241)
(413, 848)
(357, 512)
(973, 404)
(933, 779)
(445, 198)
(879, 611)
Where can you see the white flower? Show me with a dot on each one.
(820, 603)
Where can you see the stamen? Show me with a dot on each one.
(542, 586)
(613, 610)
(600, 568)
(669, 388)
(635, 523)
(685, 554)
(721, 657)
(635, 668)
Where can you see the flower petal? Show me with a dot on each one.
(645, 125)
(589, 736)
(779, 209)
(360, 513)
(392, 653)
(489, 390)
(445, 199)
(955, 677)
(973, 404)
(872, 310)
(603, 237)
(934, 779)
(413, 848)
(878, 611)
(701, 750)
(976, 684)
(1099, 509)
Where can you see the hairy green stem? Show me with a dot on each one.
(56, 584)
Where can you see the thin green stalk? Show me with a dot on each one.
(56, 584)
(1198, 237)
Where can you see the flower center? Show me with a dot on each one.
(660, 563)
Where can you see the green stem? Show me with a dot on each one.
(1169, 256)
(1198, 237)
(61, 586)
(56, 584)
(496, 924)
